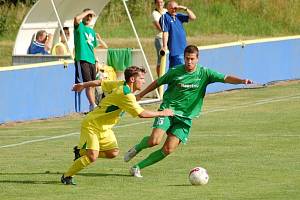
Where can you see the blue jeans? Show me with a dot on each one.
(176, 60)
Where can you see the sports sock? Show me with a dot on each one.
(78, 165)
(151, 159)
(143, 144)
(82, 152)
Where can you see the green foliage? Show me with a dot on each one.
(11, 19)
(238, 17)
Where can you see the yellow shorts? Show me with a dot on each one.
(96, 140)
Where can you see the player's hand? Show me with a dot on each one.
(168, 112)
(248, 81)
(78, 87)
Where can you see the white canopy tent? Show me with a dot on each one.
(53, 15)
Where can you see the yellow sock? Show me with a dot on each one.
(82, 152)
(78, 165)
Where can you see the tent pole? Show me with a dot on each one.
(61, 27)
(139, 42)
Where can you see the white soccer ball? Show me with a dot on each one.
(198, 176)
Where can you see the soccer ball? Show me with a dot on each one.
(198, 176)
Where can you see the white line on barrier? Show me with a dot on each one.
(260, 102)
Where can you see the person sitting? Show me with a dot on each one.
(60, 48)
(42, 43)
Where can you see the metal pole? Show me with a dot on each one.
(61, 27)
(138, 40)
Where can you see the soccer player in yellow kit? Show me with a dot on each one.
(96, 137)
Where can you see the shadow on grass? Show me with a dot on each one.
(52, 173)
(181, 185)
(31, 182)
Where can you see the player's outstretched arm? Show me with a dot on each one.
(80, 86)
(151, 114)
(148, 89)
(237, 80)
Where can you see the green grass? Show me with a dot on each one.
(248, 140)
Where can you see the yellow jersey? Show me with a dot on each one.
(119, 99)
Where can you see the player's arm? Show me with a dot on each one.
(80, 86)
(190, 13)
(148, 89)
(236, 80)
(151, 114)
(78, 18)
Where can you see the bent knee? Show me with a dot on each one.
(112, 154)
(154, 141)
(92, 157)
(168, 150)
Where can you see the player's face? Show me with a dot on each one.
(139, 81)
(191, 60)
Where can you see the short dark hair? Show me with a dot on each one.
(133, 71)
(191, 49)
(86, 9)
(65, 28)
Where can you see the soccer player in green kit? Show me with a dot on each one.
(186, 90)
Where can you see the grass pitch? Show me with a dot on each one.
(248, 140)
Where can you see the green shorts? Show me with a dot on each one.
(178, 126)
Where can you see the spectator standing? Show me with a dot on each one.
(174, 36)
(85, 41)
(156, 14)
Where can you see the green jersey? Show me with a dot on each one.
(186, 90)
(85, 41)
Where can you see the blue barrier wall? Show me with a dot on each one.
(31, 92)
(44, 90)
(261, 62)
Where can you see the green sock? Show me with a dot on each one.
(143, 144)
(151, 159)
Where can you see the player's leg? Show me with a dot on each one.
(169, 146)
(160, 125)
(108, 145)
(177, 133)
(89, 141)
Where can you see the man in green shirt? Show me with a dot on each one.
(186, 89)
(85, 41)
